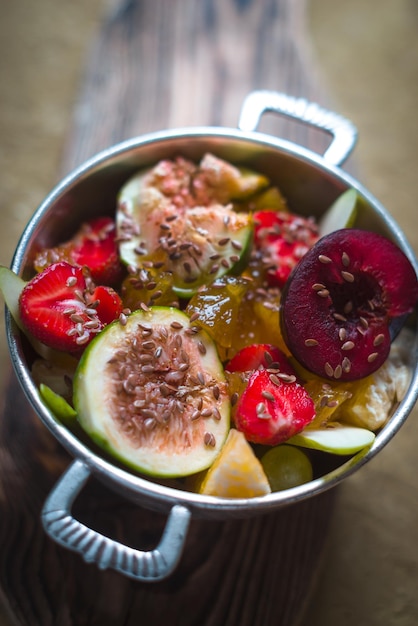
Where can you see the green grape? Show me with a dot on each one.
(286, 466)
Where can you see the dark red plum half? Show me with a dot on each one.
(340, 299)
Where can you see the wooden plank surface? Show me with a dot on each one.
(155, 65)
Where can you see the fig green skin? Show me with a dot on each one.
(137, 202)
(162, 456)
(375, 271)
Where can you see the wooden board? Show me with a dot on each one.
(156, 65)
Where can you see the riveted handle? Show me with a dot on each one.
(96, 548)
(344, 133)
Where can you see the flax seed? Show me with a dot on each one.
(345, 259)
(329, 369)
(347, 276)
(82, 339)
(346, 365)
(342, 334)
(201, 347)
(76, 318)
(364, 322)
(286, 378)
(216, 392)
(234, 398)
(324, 259)
(209, 439)
(378, 340)
(339, 317)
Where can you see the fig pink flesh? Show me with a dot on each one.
(338, 303)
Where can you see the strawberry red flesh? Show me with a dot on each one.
(259, 356)
(339, 302)
(270, 410)
(93, 246)
(63, 309)
(283, 238)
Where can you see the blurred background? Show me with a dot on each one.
(366, 53)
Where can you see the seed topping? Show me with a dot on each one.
(378, 340)
(345, 259)
(347, 276)
(324, 259)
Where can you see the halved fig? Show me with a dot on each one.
(152, 393)
(338, 303)
(179, 217)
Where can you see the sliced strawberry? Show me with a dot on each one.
(260, 356)
(93, 246)
(109, 304)
(283, 238)
(62, 308)
(273, 409)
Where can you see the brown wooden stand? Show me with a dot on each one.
(156, 65)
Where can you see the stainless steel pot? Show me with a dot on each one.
(310, 182)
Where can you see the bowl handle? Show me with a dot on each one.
(343, 131)
(149, 566)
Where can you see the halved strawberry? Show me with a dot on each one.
(62, 308)
(272, 408)
(283, 238)
(93, 246)
(260, 356)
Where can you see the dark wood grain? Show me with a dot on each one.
(155, 65)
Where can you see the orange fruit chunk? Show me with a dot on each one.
(236, 472)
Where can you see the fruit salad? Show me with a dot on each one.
(209, 335)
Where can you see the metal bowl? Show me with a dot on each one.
(311, 182)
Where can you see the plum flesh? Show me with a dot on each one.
(338, 303)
